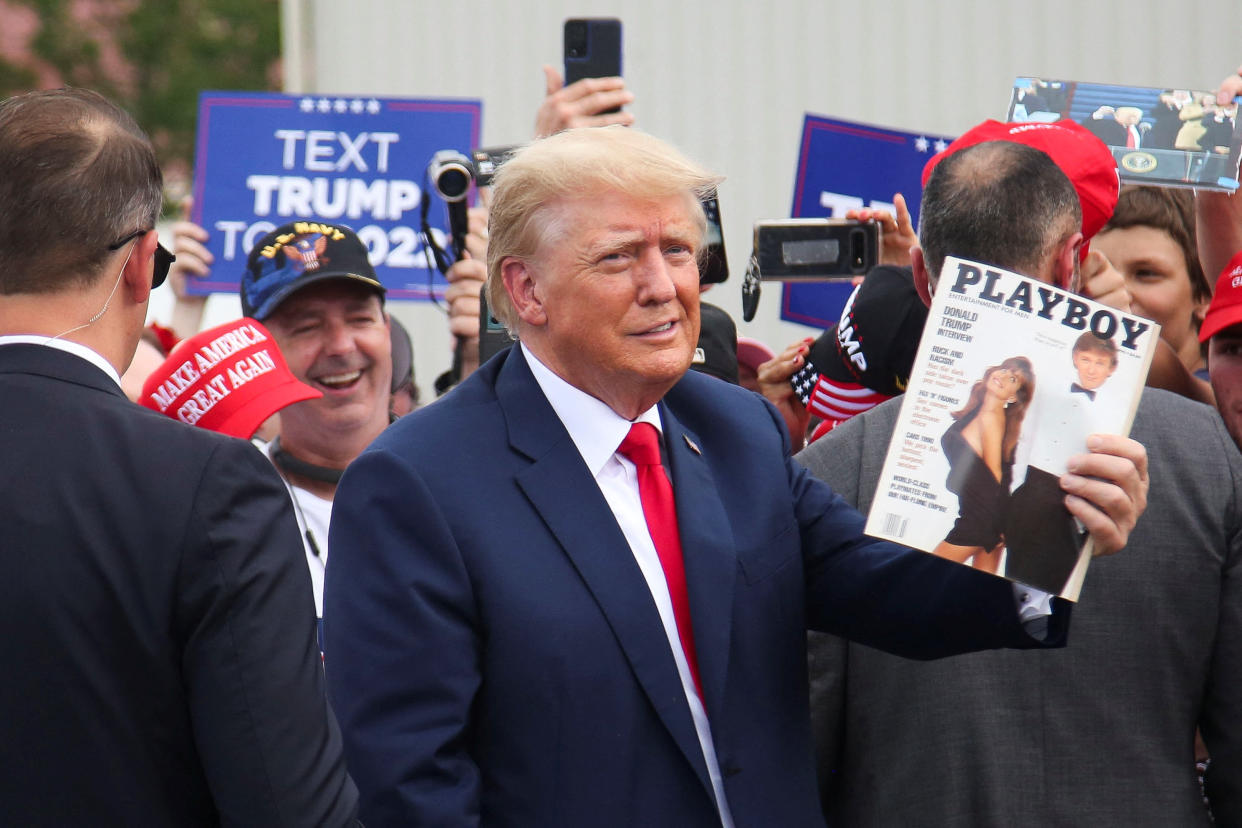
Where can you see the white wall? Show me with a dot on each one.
(730, 80)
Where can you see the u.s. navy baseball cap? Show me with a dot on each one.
(299, 254)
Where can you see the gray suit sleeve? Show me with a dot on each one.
(270, 746)
(835, 458)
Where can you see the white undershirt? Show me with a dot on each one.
(597, 431)
(75, 348)
(314, 515)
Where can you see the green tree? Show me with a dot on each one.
(181, 47)
(170, 50)
(14, 77)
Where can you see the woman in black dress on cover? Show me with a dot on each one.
(979, 447)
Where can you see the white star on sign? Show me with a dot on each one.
(340, 105)
(940, 145)
(325, 105)
(307, 105)
(921, 144)
(373, 106)
(355, 106)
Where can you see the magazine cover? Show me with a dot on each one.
(1011, 376)
(1160, 137)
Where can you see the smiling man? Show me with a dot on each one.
(597, 615)
(313, 286)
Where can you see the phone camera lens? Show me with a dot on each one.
(858, 249)
(575, 39)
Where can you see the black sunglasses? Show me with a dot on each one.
(163, 259)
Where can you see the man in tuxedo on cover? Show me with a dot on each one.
(523, 629)
(1042, 550)
(158, 639)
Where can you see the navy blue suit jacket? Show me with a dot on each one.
(495, 657)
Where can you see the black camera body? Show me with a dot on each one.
(487, 161)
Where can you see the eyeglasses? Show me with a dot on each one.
(163, 258)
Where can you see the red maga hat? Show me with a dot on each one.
(1086, 161)
(1226, 307)
(228, 379)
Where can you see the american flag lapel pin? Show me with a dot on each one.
(692, 445)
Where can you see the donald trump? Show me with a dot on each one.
(575, 591)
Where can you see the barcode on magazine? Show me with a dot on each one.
(895, 525)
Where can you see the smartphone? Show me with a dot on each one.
(815, 249)
(592, 49)
(713, 267)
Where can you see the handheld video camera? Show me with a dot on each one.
(450, 173)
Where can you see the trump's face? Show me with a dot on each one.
(1093, 368)
(610, 302)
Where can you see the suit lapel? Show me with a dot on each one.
(709, 554)
(562, 491)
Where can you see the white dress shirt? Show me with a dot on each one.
(597, 431)
(1060, 422)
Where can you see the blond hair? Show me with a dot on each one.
(578, 163)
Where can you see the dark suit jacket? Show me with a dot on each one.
(1107, 130)
(157, 623)
(495, 656)
(1217, 133)
(1098, 733)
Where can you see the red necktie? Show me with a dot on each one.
(1131, 141)
(642, 448)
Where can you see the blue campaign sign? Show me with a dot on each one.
(844, 165)
(266, 159)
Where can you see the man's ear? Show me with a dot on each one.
(140, 267)
(523, 291)
(922, 283)
(1065, 261)
(1198, 311)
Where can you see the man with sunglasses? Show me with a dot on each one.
(161, 666)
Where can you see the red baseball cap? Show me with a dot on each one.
(1086, 161)
(1226, 307)
(229, 378)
